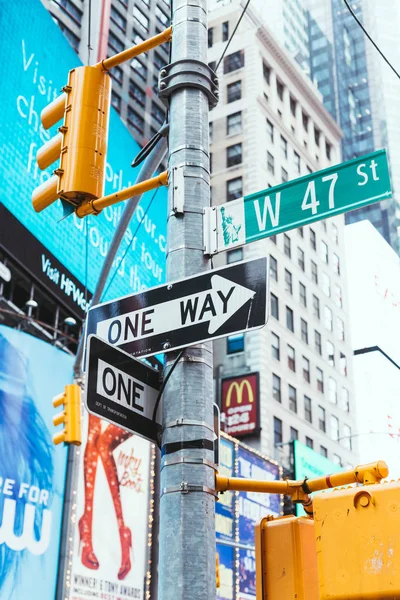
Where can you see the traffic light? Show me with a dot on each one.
(358, 542)
(81, 144)
(286, 561)
(71, 416)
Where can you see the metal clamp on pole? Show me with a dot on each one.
(188, 73)
(181, 422)
(186, 488)
(210, 231)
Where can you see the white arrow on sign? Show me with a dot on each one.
(216, 305)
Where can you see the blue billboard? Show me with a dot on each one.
(32, 472)
(37, 58)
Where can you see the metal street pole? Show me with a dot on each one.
(187, 513)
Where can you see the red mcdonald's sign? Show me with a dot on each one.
(240, 404)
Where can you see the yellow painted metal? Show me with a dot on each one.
(286, 561)
(95, 206)
(45, 194)
(153, 42)
(50, 152)
(53, 112)
(71, 416)
(358, 542)
(217, 574)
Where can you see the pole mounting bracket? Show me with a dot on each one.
(186, 73)
(186, 488)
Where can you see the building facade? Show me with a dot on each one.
(270, 126)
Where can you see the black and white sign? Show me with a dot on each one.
(121, 389)
(206, 306)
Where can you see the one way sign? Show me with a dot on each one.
(185, 312)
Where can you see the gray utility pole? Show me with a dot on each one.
(187, 512)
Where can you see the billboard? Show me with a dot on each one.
(225, 524)
(113, 504)
(32, 76)
(32, 471)
(240, 402)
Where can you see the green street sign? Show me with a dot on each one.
(317, 196)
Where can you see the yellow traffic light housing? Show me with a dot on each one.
(81, 143)
(71, 416)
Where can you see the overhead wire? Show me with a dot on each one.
(232, 35)
(370, 38)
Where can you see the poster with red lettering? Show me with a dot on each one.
(240, 400)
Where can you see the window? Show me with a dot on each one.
(340, 329)
(330, 353)
(275, 345)
(336, 263)
(234, 155)
(313, 239)
(328, 149)
(234, 61)
(326, 284)
(288, 282)
(158, 61)
(334, 428)
(306, 370)
(279, 89)
(266, 72)
(277, 431)
(273, 267)
(235, 343)
(137, 93)
(337, 460)
(293, 105)
(338, 296)
(314, 272)
(304, 331)
(137, 38)
(71, 10)
(210, 131)
(287, 246)
(276, 388)
(289, 319)
(309, 442)
(307, 409)
(284, 175)
(321, 419)
(291, 358)
(234, 255)
(305, 121)
(234, 123)
(270, 131)
(117, 74)
(274, 306)
(118, 19)
(270, 163)
(225, 31)
(317, 135)
(292, 399)
(303, 294)
(115, 43)
(345, 400)
(116, 101)
(343, 364)
(210, 37)
(320, 380)
(161, 16)
(328, 318)
(297, 161)
(141, 18)
(300, 258)
(284, 146)
(234, 91)
(157, 113)
(273, 238)
(335, 234)
(294, 434)
(139, 68)
(318, 342)
(316, 308)
(135, 120)
(323, 451)
(346, 438)
(234, 189)
(324, 252)
(332, 390)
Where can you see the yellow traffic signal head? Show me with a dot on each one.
(71, 416)
(81, 144)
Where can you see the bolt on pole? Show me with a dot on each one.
(187, 503)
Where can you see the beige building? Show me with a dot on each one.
(270, 126)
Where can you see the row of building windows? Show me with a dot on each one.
(224, 33)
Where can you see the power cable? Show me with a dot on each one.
(151, 144)
(231, 37)
(164, 383)
(370, 38)
(89, 46)
(130, 244)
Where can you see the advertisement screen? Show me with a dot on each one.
(110, 555)
(225, 523)
(32, 77)
(226, 555)
(240, 404)
(32, 470)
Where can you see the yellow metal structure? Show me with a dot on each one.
(89, 207)
(153, 42)
(81, 144)
(218, 577)
(71, 416)
(358, 542)
(286, 560)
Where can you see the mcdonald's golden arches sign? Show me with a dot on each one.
(240, 404)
